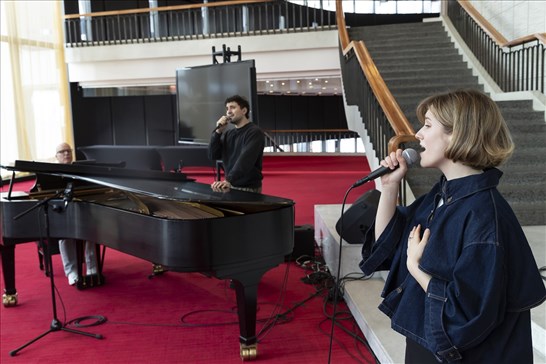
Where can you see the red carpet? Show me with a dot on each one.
(144, 318)
(189, 318)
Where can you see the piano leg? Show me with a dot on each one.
(157, 269)
(9, 298)
(246, 290)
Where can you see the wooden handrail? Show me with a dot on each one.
(384, 97)
(493, 33)
(398, 121)
(541, 37)
(342, 27)
(403, 130)
(165, 8)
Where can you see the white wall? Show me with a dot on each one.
(514, 18)
(276, 56)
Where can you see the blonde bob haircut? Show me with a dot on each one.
(480, 136)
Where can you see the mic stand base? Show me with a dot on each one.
(56, 325)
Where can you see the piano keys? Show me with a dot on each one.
(164, 218)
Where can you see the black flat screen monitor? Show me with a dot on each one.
(201, 92)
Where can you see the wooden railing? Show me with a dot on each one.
(516, 65)
(196, 21)
(495, 35)
(386, 124)
(523, 69)
(388, 113)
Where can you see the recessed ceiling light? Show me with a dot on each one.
(328, 85)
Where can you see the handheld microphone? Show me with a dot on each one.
(411, 157)
(228, 120)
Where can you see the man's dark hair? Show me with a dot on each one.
(241, 101)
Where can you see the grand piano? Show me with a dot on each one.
(164, 218)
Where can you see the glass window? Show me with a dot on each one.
(33, 88)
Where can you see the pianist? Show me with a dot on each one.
(67, 247)
(240, 148)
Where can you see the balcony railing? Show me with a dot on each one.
(515, 66)
(186, 22)
(313, 141)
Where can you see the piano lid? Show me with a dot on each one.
(91, 169)
(162, 185)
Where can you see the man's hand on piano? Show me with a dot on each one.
(221, 186)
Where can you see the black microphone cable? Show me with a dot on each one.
(336, 285)
(411, 157)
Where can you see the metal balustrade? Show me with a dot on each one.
(313, 141)
(514, 68)
(174, 23)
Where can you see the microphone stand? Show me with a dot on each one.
(273, 142)
(56, 324)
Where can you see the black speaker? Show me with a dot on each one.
(359, 217)
(304, 242)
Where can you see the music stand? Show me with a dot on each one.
(56, 324)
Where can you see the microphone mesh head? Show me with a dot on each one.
(411, 156)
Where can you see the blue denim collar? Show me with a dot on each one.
(459, 188)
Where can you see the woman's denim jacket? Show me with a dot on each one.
(484, 276)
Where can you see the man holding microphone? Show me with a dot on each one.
(240, 148)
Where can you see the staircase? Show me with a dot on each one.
(419, 59)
